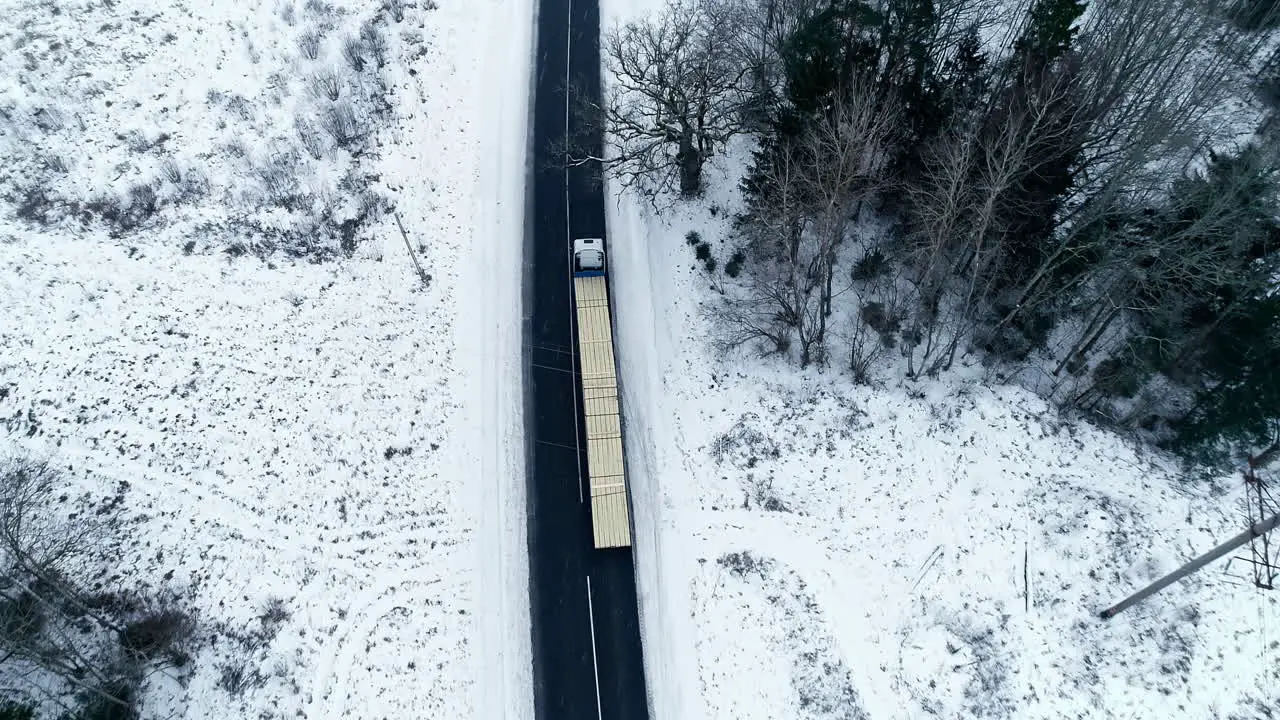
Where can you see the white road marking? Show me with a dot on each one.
(591, 616)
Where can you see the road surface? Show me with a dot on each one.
(587, 661)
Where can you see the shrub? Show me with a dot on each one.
(1256, 15)
(702, 251)
(342, 124)
(353, 51)
(326, 84)
(870, 266)
(10, 710)
(37, 205)
(22, 618)
(236, 676)
(710, 264)
(309, 44)
(379, 97)
(161, 632)
(692, 237)
(319, 7)
(310, 137)
(395, 8)
(878, 318)
(274, 612)
(112, 700)
(195, 184)
(123, 215)
(278, 179)
(171, 171)
(375, 43)
(733, 268)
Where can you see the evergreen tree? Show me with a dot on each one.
(965, 78)
(1049, 33)
(906, 44)
(822, 58)
(1241, 403)
(1257, 14)
(828, 52)
(1042, 79)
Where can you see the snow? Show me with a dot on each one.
(811, 548)
(332, 435)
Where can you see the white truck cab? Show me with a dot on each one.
(588, 255)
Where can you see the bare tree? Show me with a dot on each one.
(674, 101)
(843, 158)
(964, 205)
(86, 651)
(1150, 73)
(780, 301)
(819, 182)
(39, 602)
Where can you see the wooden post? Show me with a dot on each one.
(422, 274)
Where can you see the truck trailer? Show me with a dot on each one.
(598, 378)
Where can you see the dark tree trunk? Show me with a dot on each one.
(690, 160)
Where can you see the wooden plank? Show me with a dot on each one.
(610, 522)
(597, 376)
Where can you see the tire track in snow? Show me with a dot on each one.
(329, 686)
(790, 544)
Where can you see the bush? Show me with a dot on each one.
(1255, 15)
(693, 238)
(37, 205)
(353, 51)
(235, 677)
(870, 266)
(159, 633)
(733, 268)
(309, 44)
(375, 43)
(710, 264)
(702, 251)
(879, 319)
(279, 182)
(113, 700)
(395, 8)
(275, 612)
(326, 84)
(342, 124)
(123, 215)
(22, 618)
(311, 139)
(10, 710)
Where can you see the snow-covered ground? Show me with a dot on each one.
(331, 438)
(810, 548)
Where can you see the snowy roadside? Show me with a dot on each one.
(329, 440)
(809, 548)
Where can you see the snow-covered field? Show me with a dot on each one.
(810, 548)
(329, 440)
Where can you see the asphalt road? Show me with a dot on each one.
(587, 660)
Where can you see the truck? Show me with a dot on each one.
(598, 379)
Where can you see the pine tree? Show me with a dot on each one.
(1257, 14)
(1241, 403)
(820, 60)
(827, 53)
(965, 78)
(906, 45)
(1042, 84)
(1049, 33)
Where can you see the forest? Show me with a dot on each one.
(1076, 197)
